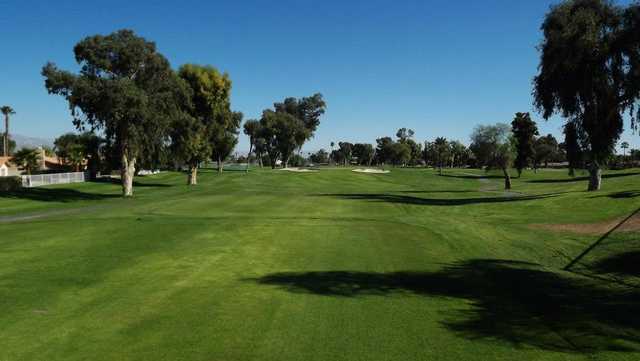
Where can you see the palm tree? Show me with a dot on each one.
(624, 146)
(331, 154)
(442, 148)
(6, 110)
(27, 159)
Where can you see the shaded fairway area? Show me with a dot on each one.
(331, 265)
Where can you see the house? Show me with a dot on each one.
(7, 168)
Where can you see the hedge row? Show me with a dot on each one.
(9, 184)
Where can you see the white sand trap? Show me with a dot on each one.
(299, 170)
(369, 170)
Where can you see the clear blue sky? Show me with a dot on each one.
(438, 67)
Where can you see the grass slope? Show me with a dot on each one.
(332, 265)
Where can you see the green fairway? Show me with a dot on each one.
(330, 265)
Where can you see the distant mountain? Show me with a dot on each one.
(30, 142)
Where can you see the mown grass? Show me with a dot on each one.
(332, 265)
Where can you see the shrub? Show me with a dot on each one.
(10, 184)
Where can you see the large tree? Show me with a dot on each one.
(364, 153)
(493, 147)
(319, 157)
(400, 153)
(125, 88)
(190, 144)
(203, 122)
(308, 111)
(346, 150)
(75, 150)
(459, 153)
(524, 132)
(6, 111)
(429, 154)
(224, 136)
(546, 149)
(589, 61)
(251, 129)
(405, 136)
(281, 132)
(292, 122)
(442, 152)
(384, 150)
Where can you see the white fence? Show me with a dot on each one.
(54, 178)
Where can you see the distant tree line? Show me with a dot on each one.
(133, 111)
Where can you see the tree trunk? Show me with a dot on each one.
(193, 175)
(572, 172)
(126, 174)
(507, 179)
(220, 165)
(6, 136)
(519, 172)
(249, 157)
(595, 177)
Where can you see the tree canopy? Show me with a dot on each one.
(125, 88)
(26, 159)
(206, 127)
(589, 66)
(546, 149)
(524, 132)
(76, 149)
(364, 153)
(292, 122)
(573, 147)
(493, 148)
(224, 135)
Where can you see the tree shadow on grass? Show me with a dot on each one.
(579, 179)
(396, 198)
(437, 191)
(117, 181)
(514, 302)
(469, 176)
(623, 264)
(620, 195)
(55, 195)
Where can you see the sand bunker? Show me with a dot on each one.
(369, 170)
(631, 225)
(299, 170)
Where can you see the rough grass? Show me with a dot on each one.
(332, 265)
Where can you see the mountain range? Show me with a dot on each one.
(23, 141)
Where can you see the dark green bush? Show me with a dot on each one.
(10, 184)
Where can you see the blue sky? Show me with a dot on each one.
(438, 67)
